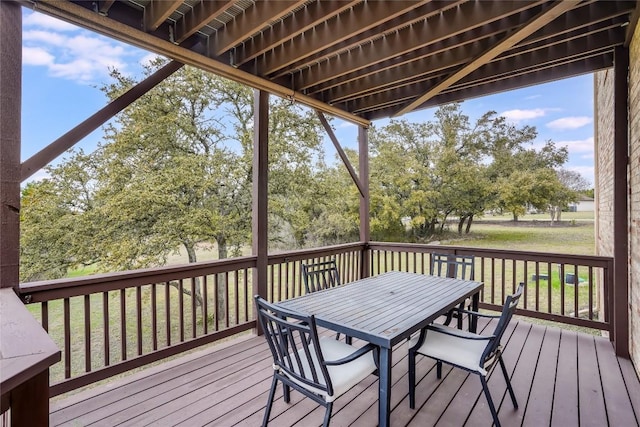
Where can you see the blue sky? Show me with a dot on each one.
(63, 67)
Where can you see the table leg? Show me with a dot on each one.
(384, 393)
(473, 320)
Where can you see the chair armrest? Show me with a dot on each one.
(475, 313)
(353, 356)
(459, 333)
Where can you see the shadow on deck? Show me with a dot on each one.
(561, 378)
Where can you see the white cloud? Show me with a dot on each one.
(72, 53)
(46, 21)
(36, 56)
(579, 145)
(533, 97)
(519, 115)
(570, 123)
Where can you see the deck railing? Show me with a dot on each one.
(570, 289)
(111, 323)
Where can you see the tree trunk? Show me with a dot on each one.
(515, 217)
(221, 294)
(469, 221)
(559, 214)
(191, 254)
(461, 224)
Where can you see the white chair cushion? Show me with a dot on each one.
(344, 376)
(456, 350)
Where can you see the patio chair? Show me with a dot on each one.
(319, 276)
(456, 266)
(320, 368)
(472, 352)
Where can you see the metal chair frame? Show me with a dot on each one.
(491, 356)
(294, 342)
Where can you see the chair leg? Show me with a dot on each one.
(286, 393)
(492, 408)
(327, 415)
(508, 380)
(267, 411)
(459, 316)
(412, 379)
(439, 369)
(348, 340)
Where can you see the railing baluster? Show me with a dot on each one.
(226, 300)
(167, 310)
(139, 319)
(590, 284)
(286, 281)
(181, 308)
(193, 308)
(537, 282)
(549, 289)
(67, 338)
(45, 315)
(154, 317)
(87, 333)
(105, 322)
(236, 279)
(123, 324)
(246, 294)
(205, 305)
(217, 310)
(562, 290)
(576, 290)
(503, 281)
(526, 291)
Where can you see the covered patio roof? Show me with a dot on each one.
(361, 59)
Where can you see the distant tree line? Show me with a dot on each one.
(174, 172)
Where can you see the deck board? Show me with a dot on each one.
(560, 378)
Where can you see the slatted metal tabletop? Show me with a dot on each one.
(385, 310)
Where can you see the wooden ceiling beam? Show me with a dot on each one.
(358, 19)
(104, 6)
(427, 66)
(290, 27)
(576, 66)
(157, 11)
(397, 75)
(200, 15)
(541, 76)
(250, 22)
(454, 22)
(399, 22)
(584, 16)
(548, 15)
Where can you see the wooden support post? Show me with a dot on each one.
(10, 122)
(620, 203)
(365, 233)
(259, 209)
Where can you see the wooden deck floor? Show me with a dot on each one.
(561, 378)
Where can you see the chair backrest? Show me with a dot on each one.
(321, 275)
(451, 265)
(508, 309)
(293, 340)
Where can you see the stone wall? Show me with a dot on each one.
(604, 126)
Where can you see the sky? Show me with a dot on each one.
(64, 67)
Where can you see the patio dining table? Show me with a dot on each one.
(385, 310)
